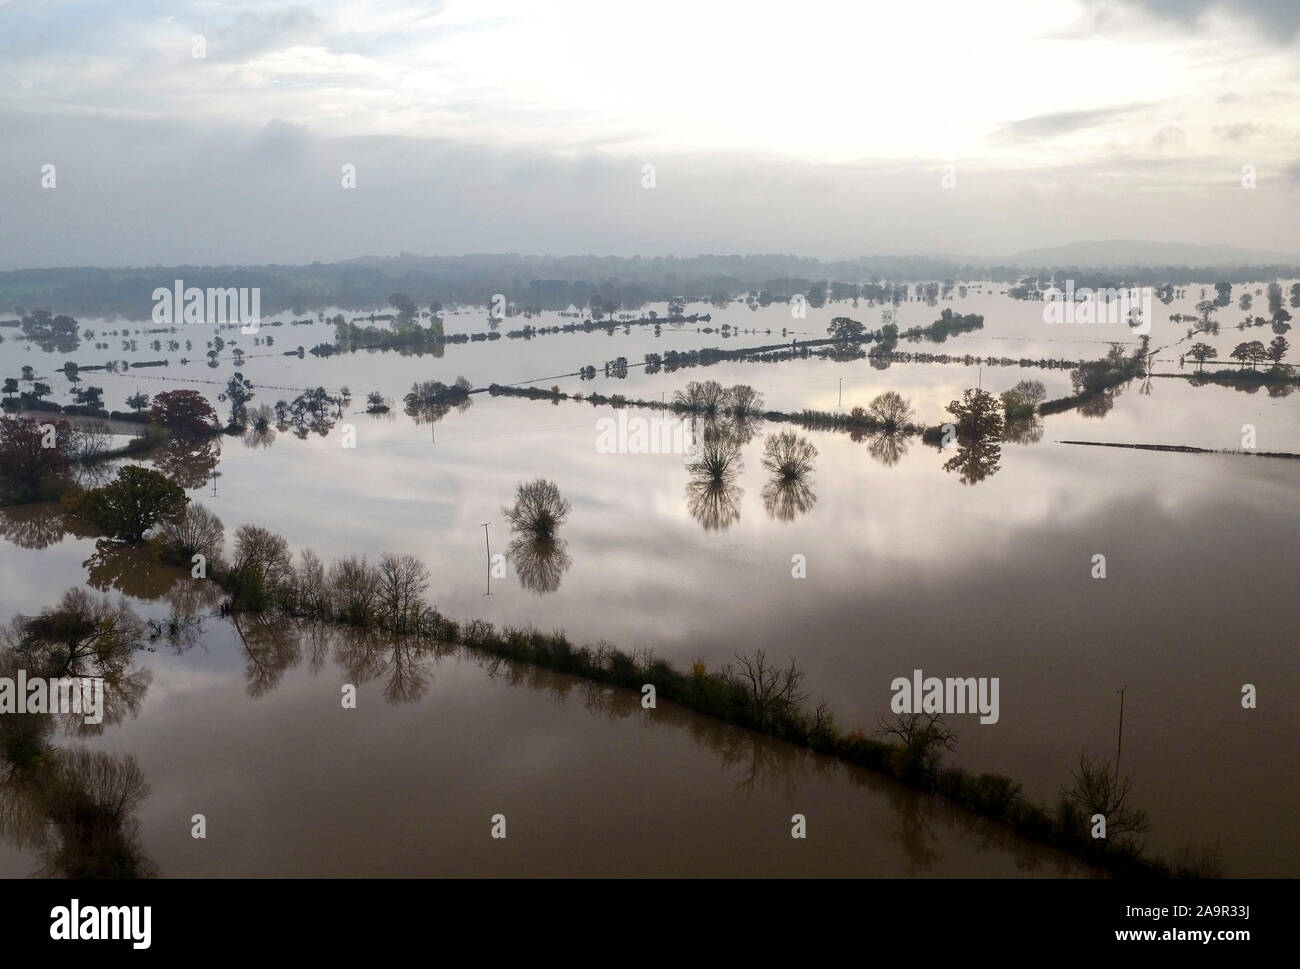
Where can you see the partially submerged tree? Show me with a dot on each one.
(1200, 353)
(127, 507)
(34, 458)
(891, 410)
(707, 398)
(1277, 349)
(194, 531)
(403, 580)
(1098, 790)
(185, 412)
(977, 415)
(789, 456)
(1251, 352)
(539, 510)
(261, 570)
(83, 635)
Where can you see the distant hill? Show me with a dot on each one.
(1132, 252)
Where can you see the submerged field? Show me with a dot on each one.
(907, 566)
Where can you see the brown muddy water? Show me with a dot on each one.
(907, 567)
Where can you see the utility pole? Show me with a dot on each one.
(1119, 744)
(488, 542)
(841, 391)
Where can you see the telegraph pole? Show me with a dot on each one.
(1119, 744)
(488, 542)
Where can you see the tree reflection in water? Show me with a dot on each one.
(132, 569)
(712, 495)
(975, 460)
(540, 563)
(886, 447)
(73, 806)
(188, 462)
(1023, 430)
(34, 526)
(786, 499)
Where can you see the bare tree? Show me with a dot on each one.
(262, 569)
(744, 401)
(1098, 790)
(701, 397)
(789, 456)
(195, 531)
(538, 509)
(891, 410)
(769, 691)
(403, 580)
(923, 736)
(82, 636)
(90, 440)
(313, 590)
(354, 588)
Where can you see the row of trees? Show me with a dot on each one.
(1253, 352)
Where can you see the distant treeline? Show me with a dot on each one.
(549, 282)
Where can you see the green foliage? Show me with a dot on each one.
(132, 504)
(977, 415)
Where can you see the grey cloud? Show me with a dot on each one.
(154, 192)
(1279, 19)
(1055, 124)
(1237, 132)
(253, 34)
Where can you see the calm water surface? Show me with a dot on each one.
(907, 567)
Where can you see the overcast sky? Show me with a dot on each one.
(820, 127)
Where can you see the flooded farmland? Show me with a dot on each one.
(885, 561)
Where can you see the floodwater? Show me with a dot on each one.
(908, 566)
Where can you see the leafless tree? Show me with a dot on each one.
(1098, 790)
(923, 736)
(701, 397)
(313, 590)
(743, 400)
(770, 691)
(194, 531)
(90, 440)
(891, 410)
(789, 456)
(262, 568)
(403, 580)
(538, 509)
(82, 636)
(354, 588)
